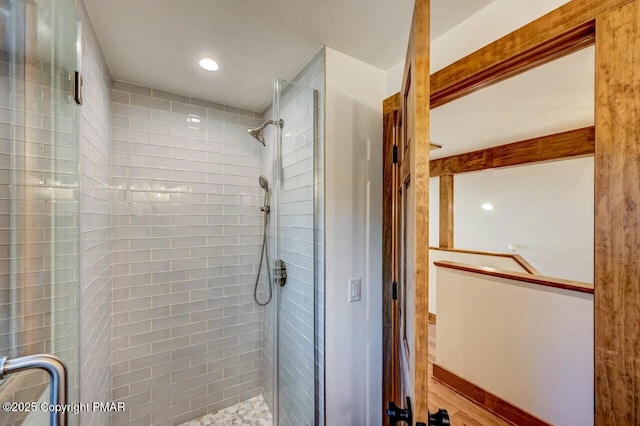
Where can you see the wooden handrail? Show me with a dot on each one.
(516, 257)
(519, 276)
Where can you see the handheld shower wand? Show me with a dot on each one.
(264, 184)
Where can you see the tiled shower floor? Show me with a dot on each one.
(253, 411)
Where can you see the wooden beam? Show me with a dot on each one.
(617, 217)
(446, 211)
(561, 32)
(574, 143)
(462, 77)
(558, 33)
(391, 104)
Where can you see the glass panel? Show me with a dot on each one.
(296, 106)
(39, 268)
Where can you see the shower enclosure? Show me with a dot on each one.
(132, 236)
(291, 320)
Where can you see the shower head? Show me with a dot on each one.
(258, 132)
(264, 183)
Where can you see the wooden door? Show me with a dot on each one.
(409, 325)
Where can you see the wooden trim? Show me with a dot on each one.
(418, 60)
(516, 257)
(446, 211)
(525, 265)
(390, 365)
(420, 175)
(617, 228)
(486, 399)
(560, 32)
(574, 143)
(391, 104)
(519, 276)
(432, 318)
(466, 76)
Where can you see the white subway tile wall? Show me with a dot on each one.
(95, 227)
(187, 335)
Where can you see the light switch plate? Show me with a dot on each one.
(354, 290)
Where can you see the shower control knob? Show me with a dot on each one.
(280, 272)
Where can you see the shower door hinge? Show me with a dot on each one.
(77, 88)
(394, 290)
(395, 154)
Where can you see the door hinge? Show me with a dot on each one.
(395, 154)
(77, 88)
(394, 290)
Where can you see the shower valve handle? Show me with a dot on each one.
(280, 272)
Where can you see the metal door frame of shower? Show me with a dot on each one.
(316, 193)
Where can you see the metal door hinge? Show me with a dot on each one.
(77, 88)
(394, 290)
(395, 154)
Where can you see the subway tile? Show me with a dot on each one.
(170, 96)
(120, 97)
(149, 102)
(191, 110)
(149, 126)
(131, 88)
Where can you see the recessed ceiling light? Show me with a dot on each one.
(488, 207)
(209, 64)
(193, 119)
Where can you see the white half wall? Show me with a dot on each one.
(353, 227)
(546, 209)
(528, 344)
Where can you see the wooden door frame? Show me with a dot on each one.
(565, 30)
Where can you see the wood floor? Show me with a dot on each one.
(462, 411)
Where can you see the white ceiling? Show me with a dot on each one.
(552, 98)
(158, 43)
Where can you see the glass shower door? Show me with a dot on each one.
(39, 262)
(296, 106)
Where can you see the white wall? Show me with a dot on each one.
(394, 79)
(496, 334)
(434, 212)
(353, 220)
(546, 209)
